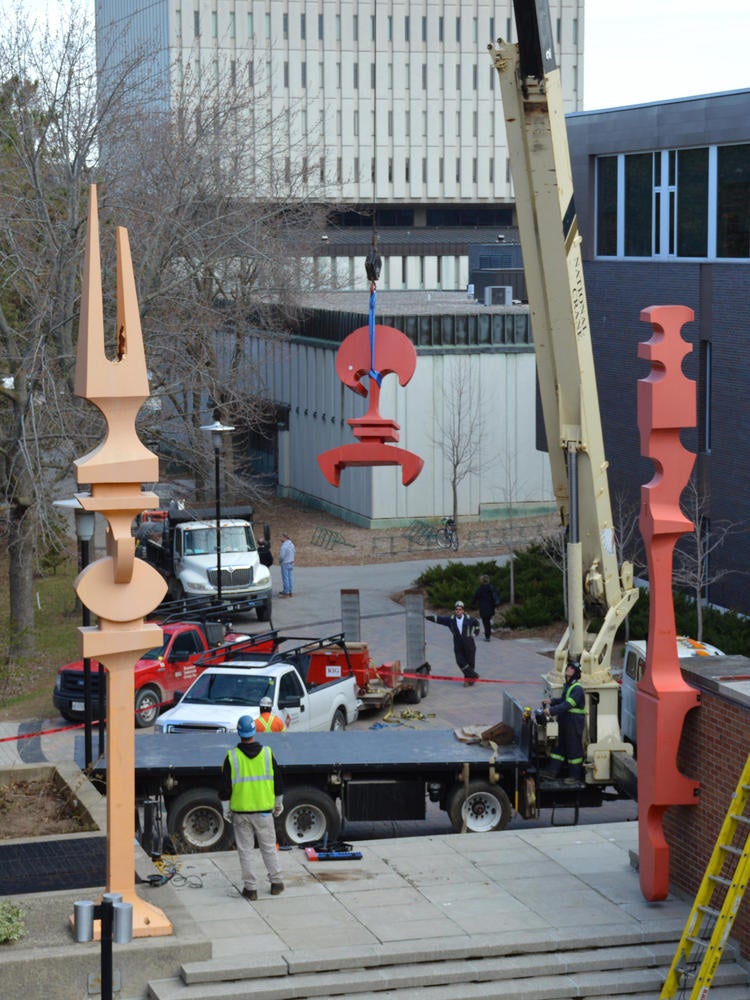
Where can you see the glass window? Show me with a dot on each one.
(355, 76)
(638, 205)
(303, 75)
(338, 27)
(372, 28)
(249, 25)
(692, 202)
(406, 28)
(232, 25)
(606, 206)
(197, 23)
(424, 29)
(733, 201)
(302, 26)
(441, 28)
(268, 25)
(458, 30)
(320, 27)
(355, 27)
(285, 25)
(389, 24)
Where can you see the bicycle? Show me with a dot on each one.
(448, 537)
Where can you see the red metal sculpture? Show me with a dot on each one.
(666, 404)
(373, 351)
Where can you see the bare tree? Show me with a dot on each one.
(460, 430)
(218, 214)
(694, 567)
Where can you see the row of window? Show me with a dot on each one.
(406, 33)
(689, 203)
(417, 73)
(308, 170)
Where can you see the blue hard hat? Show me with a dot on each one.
(245, 726)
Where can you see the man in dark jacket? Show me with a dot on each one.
(251, 793)
(570, 711)
(463, 628)
(486, 600)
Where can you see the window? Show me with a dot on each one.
(197, 23)
(303, 75)
(320, 27)
(686, 203)
(390, 169)
(373, 77)
(302, 26)
(268, 25)
(285, 25)
(338, 75)
(355, 123)
(232, 25)
(406, 28)
(638, 204)
(424, 29)
(606, 206)
(355, 27)
(321, 74)
(441, 169)
(424, 76)
(372, 27)
(441, 29)
(338, 27)
(390, 124)
(692, 202)
(389, 27)
(214, 24)
(232, 73)
(458, 76)
(251, 73)
(458, 30)
(406, 170)
(733, 201)
(356, 169)
(249, 25)
(286, 74)
(474, 76)
(355, 76)
(424, 169)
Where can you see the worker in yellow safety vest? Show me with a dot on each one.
(267, 722)
(570, 711)
(251, 794)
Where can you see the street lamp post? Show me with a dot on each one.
(85, 522)
(217, 430)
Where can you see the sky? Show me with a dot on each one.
(646, 50)
(651, 50)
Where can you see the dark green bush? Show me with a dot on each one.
(539, 600)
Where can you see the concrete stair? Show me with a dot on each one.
(614, 963)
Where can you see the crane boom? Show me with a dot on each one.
(596, 587)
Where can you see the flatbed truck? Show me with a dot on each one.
(368, 775)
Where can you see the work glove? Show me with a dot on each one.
(429, 618)
(278, 808)
(226, 811)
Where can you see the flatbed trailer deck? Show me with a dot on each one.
(365, 775)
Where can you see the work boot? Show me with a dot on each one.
(277, 888)
(251, 894)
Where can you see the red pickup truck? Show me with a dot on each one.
(160, 672)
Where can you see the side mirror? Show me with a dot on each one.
(291, 701)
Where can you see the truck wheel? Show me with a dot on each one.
(485, 807)
(338, 722)
(308, 816)
(195, 822)
(263, 611)
(414, 695)
(147, 702)
(424, 686)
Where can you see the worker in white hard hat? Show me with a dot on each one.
(267, 722)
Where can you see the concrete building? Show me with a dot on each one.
(391, 108)
(663, 196)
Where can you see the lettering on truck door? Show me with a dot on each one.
(185, 650)
(291, 692)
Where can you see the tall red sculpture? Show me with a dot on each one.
(666, 404)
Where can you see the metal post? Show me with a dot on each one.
(217, 478)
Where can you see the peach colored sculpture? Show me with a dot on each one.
(666, 404)
(119, 589)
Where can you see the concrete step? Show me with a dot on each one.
(590, 972)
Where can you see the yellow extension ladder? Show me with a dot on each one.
(712, 916)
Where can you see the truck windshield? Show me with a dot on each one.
(202, 541)
(229, 689)
(156, 652)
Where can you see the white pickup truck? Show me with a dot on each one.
(312, 690)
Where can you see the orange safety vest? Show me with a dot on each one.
(267, 723)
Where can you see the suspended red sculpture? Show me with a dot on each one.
(372, 352)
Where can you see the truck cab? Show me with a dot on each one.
(182, 544)
(634, 664)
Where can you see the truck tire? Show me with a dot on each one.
(485, 806)
(147, 702)
(309, 815)
(413, 695)
(195, 822)
(263, 611)
(338, 722)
